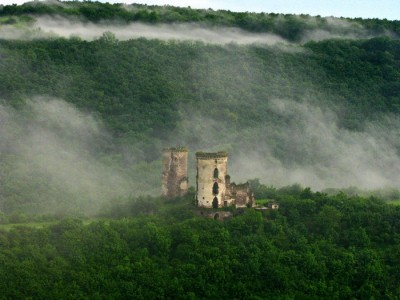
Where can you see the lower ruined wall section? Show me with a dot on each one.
(215, 214)
(242, 195)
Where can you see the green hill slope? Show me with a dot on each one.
(321, 113)
(90, 93)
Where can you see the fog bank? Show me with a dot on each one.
(50, 27)
(306, 146)
(47, 27)
(52, 154)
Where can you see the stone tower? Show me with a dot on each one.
(175, 172)
(211, 174)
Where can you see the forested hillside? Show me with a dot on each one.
(288, 107)
(314, 246)
(90, 93)
(291, 27)
(322, 113)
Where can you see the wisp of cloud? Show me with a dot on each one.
(53, 155)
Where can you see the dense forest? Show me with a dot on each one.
(314, 247)
(300, 103)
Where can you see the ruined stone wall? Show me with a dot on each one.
(243, 195)
(240, 195)
(175, 172)
(211, 170)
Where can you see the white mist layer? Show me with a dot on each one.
(308, 147)
(47, 27)
(51, 148)
(50, 27)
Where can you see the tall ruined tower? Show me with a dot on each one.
(211, 174)
(175, 172)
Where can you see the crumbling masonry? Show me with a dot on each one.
(213, 184)
(175, 172)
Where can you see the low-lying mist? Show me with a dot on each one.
(51, 27)
(303, 144)
(267, 109)
(57, 159)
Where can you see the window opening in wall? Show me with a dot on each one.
(215, 202)
(215, 189)
(216, 173)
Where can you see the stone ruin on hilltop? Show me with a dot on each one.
(214, 188)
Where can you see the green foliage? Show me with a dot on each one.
(123, 82)
(291, 27)
(144, 91)
(329, 247)
(340, 246)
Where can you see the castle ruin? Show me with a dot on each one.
(211, 173)
(213, 184)
(175, 172)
